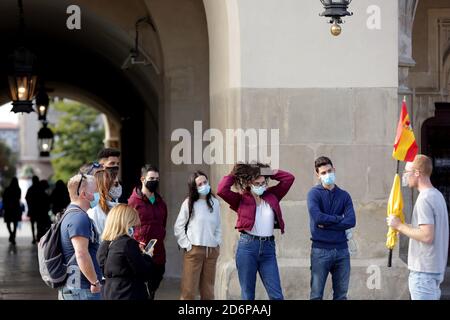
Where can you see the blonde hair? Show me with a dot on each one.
(73, 183)
(119, 220)
(423, 164)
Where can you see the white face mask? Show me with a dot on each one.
(115, 192)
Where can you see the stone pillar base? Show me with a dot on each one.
(370, 279)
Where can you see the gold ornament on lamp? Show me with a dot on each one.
(336, 29)
(336, 10)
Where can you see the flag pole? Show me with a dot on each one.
(398, 170)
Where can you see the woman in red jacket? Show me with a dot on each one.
(259, 213)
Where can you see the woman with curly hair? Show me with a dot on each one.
(259, 213)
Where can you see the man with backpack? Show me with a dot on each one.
(79, 243)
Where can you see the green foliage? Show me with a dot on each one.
(78, 138)
(8, 161)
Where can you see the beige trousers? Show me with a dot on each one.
(199, 272)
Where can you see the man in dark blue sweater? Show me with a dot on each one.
(331, 214)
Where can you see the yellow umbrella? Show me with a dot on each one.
(394, 207)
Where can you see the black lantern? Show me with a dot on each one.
(42, 103)
(335, 10)
(45, 140)
(22, 80)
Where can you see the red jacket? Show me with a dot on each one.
(245, 205)
(153, 222)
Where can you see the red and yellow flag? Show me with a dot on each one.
(405, 146)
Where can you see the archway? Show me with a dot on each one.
(144, 103)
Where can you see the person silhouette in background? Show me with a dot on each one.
(12, 209)
(32, 198)
(42, 217)
(59, 198)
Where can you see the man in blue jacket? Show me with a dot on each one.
(331, 214)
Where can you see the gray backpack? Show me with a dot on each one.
(52, 264)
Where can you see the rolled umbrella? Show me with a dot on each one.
(394, 207)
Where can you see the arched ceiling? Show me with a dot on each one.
(87, 61)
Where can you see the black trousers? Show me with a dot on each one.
(158, 274)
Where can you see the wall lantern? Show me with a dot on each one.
(45, 140)
(335, 10)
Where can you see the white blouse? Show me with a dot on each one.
(204, 226)
(264, 220)
(99, 217)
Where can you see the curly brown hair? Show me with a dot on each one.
(245, 173)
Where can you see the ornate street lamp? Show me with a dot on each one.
(22, 80)
(335, 10)
(45, 140)
(42, 103)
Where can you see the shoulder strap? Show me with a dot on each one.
(66, 212)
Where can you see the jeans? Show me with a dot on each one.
(425, 285)
(334, 261)
(77, 294)
(257, 256)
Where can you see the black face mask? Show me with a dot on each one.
(152, 185)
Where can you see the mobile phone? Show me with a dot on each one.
(150, 245)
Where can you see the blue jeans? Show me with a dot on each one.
(425, 285)
(252, 256)
(334, 261)
(77, 294)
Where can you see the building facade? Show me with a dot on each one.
(9, 134)
(263, 64)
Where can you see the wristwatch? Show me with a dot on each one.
(97, 282)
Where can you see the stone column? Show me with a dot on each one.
(407, 11)
(406, 14)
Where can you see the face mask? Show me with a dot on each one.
(204, 190)
(258, 190)
(94, 202)
(115, 192)
(152, 185)
(328, 179)
(405, 180)
(131, 232)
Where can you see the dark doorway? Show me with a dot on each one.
(436, 144)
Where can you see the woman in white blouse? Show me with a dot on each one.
(198, 232)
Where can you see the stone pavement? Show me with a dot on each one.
(19, 271)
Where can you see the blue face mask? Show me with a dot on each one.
(94, 202)
(328, 179)
(131, 231)
(204, 190)
(258, 190)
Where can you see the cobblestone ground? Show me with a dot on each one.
(19, 271)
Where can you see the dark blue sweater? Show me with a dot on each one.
(331, 213)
